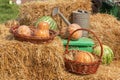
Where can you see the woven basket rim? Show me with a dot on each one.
(33, 38)
(98, 58)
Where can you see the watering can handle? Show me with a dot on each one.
(56, 11)
(65, 20)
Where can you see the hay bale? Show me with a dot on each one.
(107, 28)
(29, 61)
(30, 12)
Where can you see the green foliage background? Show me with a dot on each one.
(8, 11)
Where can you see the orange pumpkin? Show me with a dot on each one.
(77, 34)
(43, 26)
(42, 33)
(42, 30)
(47, 33)
(84, 57)
(66, 31)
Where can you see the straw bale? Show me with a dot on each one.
(30, 12)
(107, 28)
(27, 61)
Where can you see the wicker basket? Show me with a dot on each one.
(82, 68)
(32, 38)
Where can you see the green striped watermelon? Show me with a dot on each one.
(108, 55)
(50, 20)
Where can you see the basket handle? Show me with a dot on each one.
(66, 50)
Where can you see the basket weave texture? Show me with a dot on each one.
(82, 68)
(32, 38)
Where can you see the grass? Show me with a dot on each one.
(8, 11)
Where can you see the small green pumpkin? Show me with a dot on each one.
(108, 55)
(52, 23)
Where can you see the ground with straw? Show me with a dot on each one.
(28, 61)
(25, 61)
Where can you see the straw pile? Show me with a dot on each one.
(30, 12)
(27, 61)
(107, 28)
